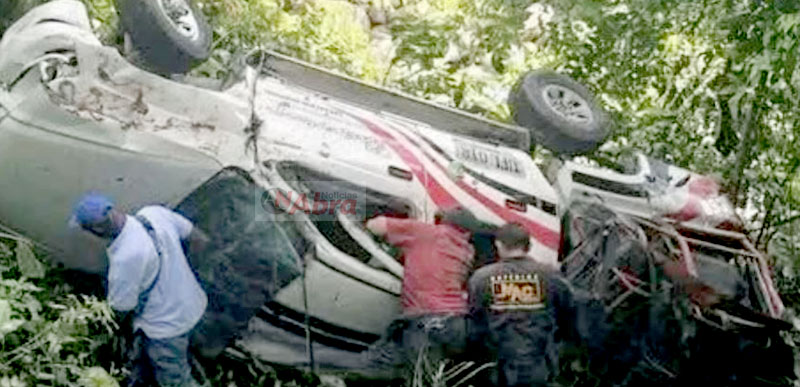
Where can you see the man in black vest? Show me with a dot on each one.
(512, 310)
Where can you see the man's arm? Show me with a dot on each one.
(194, 239)
(477, 323)
(397, 231)
(559, 304)
(182, 225)
(198, 241)
(125, 277)
(378, 225)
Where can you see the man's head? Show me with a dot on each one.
(460, 218)
(512, 241)
(96, 214)
(396, 208)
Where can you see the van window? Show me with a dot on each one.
(371, 203)
(659, 169)
(627, 163)
(247, 260)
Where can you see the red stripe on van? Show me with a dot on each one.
(439, 194)
(549, 238)
(540, 232)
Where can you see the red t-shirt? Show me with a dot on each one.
(437, 261)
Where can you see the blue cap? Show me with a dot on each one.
(91, 209)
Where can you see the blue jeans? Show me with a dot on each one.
(165, 360)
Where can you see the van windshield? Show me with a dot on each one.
(368, 204)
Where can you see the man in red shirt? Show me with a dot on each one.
(437, 261)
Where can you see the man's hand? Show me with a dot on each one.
(198, 241)
(378, 225)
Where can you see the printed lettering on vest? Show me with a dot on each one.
(517, 292)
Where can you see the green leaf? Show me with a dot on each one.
(8, 323)
(33, 306)
(5, 252)
(29, 266)
(12, 381)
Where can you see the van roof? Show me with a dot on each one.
(381, 99)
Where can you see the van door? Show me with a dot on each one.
(247, 261)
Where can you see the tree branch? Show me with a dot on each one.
(743, 157)
(768, 216)
(787, 221)
(767, 219)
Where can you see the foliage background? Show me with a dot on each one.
(711, 85)
(49, 335)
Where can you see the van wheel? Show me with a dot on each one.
(559, 112)
(168, 35)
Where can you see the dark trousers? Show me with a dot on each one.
(438, 337)
(522, 372)
(165, 361)
(408, 341)
(527, 361)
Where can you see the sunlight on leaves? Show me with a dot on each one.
(96, 377)
(28, 264)
(8, 322)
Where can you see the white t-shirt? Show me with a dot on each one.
(176, 302)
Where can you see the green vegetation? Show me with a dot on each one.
(50, 336)
(712, 85)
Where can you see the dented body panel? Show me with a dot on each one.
(76, 116)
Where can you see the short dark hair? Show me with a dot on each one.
(513, 236)
(459, 217)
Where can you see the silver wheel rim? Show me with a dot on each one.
(568, 104)
(180, 14)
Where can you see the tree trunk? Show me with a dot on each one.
(744, 156)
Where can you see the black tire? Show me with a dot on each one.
(578, 128)
(159, 42)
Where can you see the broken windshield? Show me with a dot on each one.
(249, 258)
(369, 204)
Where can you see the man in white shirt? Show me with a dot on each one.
(149, 276)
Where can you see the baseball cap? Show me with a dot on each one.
(92, 208)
